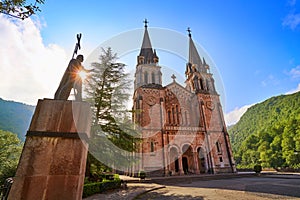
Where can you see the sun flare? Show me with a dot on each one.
(82, 74)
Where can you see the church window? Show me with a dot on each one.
(221, 159)
(218, 145)
(201, 84)
(158, 75)
(169, 116)
(177, 114)
(153, 77)
(146, 77)
(173, 115)
(152, 146)
(207, 85)
(196, 84)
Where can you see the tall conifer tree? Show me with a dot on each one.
(108, 91)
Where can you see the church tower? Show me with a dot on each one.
(148, 107)
(200, 82)
(147, 69)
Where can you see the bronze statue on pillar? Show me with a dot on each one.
(72, 77)
(53, 161)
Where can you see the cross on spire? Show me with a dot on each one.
(173, 77)
(146, 22)
(189, 31)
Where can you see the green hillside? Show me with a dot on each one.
(269, 133)
(15, 117)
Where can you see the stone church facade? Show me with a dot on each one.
(183, 128)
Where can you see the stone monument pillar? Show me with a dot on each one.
(53, 161)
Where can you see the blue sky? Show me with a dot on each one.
(254, 44)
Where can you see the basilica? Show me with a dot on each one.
(182, 126)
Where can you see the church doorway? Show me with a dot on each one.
(185, 165)
(187, 159)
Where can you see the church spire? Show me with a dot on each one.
(146, 40)
(194, 58)
(147, 56)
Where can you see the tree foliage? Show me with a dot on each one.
(112, 134)
(20, 8)
(10, 151)
(269, 134)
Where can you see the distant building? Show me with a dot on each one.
(183, 127)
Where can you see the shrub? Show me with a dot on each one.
(142, 175)
(257, 168)
(98, 187)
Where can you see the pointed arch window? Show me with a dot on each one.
(169, 116)
(219, 148)
(158, 77)
(146, 77)
(173, 115)
(152, 146)
(177, 114)
(153, 77)
(196, 84)
(207, 85)
(201, 84)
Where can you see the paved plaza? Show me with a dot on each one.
(264, 187)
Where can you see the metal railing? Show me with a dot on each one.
(5, 188)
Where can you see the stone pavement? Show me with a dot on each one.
(133, 190)
(207, 187)
(135, 187)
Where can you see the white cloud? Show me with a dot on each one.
(294, 90)
(295, 72)
(29, 69)
(292, 21)
(234, 116)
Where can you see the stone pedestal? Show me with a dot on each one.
(53, 161)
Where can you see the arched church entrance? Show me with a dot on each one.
(187, 159)
(185, 165)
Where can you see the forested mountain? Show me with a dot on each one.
(269, 134)
(15, 117)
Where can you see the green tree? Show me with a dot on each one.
(20, 8)
(248, 154)
(290, 136)
(112, 134)
(264, 153)
(276, 159)
(10, 151)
